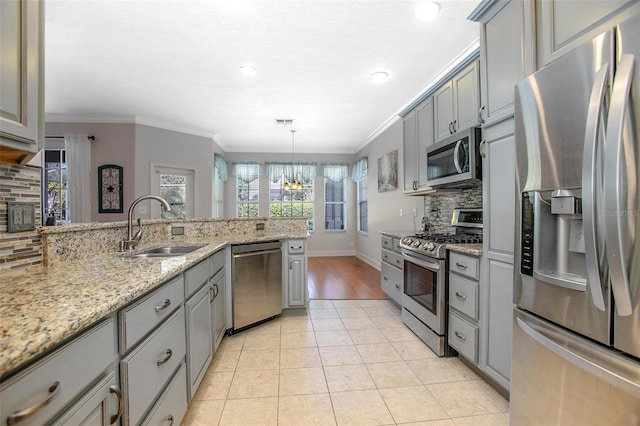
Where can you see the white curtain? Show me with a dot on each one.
(359, 169)
(304, 171)
(78, 148)
(246, 172)
(335, 172)
(220, 165)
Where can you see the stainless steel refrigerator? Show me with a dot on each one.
(576, 347)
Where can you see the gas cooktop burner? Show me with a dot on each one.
(434, 245)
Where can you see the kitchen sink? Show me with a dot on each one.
(167, 251)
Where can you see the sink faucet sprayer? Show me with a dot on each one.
(132, 240)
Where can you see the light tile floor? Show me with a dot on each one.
(344, 362)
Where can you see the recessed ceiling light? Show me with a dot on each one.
(379, 76)
(427, 10)
(248, 70)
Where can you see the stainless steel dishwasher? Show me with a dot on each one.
(257, 282)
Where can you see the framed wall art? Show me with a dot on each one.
(110, 189)
(388, 172)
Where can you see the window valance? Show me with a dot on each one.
(359, 171)
(246, 172)
(335, 172)
(304, 171)
(220, 165)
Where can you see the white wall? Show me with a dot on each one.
(384, 207)
(175, 149)
(114, 144)
(321, 242)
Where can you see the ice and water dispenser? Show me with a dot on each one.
(553, 249)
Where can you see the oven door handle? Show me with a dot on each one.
(421, 262)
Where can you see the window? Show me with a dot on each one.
(220, 176)
(359, 175)
(176, 186)
(363, 215)
(247, 189)
(55, 188)
(335, 176)
(293, 202)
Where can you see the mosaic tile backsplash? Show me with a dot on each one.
(439, 209)
(20, 249)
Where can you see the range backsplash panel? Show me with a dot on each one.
(439, 209)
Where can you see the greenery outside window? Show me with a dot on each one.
(55, 186)
(296, 202)
(247, 189)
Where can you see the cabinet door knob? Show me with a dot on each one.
(167, 357)
(385, 278)
(461, 296)
(460, 336)
(21, 415)
(397, 286)
(164, 305)
(118, 392)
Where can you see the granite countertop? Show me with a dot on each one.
(470, 249)
(398, 234)
(45, 305)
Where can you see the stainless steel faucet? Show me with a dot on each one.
(132, 240)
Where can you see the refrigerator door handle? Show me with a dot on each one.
(579, 355)
(590, 184)
(613, 185)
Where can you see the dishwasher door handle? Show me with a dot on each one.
(256, 253)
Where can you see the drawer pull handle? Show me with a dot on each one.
(397, 286)
(164, 305)
(170, 420)
(168, 353)
(296, 248)
(461, 265)
(118, 392)
(385, 278)
(216, 290)
(460, 336)
(461, 296)
(20, 415)
(397, 260)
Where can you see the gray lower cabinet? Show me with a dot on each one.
(172, 404)
(463, 328)
(100, 406)
(391, 268)
(218, 301)
(296, 273)
(37, 395)
(199, 337)
(148, 368)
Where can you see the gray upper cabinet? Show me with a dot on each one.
(21, 80)
(507, 57)
(563, 25)
(456, 104)
(418, 135)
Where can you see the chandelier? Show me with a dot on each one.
(292, 182)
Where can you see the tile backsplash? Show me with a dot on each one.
(19, 249)
(439, 209)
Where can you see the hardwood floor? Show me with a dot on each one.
(344, 277)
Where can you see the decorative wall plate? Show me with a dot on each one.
(109, 189)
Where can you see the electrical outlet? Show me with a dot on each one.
(415, 212)
(401, 212)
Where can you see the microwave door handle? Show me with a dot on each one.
(591, 185)
(613, 166)
(456, 152)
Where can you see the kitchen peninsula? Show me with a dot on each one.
(85, 283)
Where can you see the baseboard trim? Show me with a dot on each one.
(369, 260)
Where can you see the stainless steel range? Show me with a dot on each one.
(425, 279)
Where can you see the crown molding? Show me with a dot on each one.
(127, 119)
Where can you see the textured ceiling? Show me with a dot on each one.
(177, 63)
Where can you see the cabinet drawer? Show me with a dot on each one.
(295, 246)
(463, 337)
(217, 262)
(172, 405)
(463, 295)
(387, 242)
(139, 319)
(147, 369)
(396, 245)
(391, 279)
(392, 258)
(196, 276)
(464, 265)
(73, 368)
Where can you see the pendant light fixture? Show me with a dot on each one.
(292, 182)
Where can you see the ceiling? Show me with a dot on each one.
(175, 64)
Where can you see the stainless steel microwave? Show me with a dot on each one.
(455, 162)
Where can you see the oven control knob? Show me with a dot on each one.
(416, 244)
(430, 246)
(406, 240)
